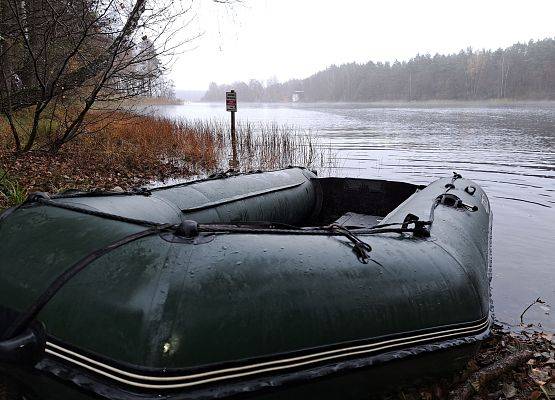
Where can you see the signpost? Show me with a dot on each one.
(231, 101)
(231, 106)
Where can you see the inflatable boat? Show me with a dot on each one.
(272, 285)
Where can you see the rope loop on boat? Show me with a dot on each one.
(360, 248)
(451, 200)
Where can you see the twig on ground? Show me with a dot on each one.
(538, 300)
(545, 392)
(485, 375)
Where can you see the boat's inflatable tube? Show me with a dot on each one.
(228, 310)
(280, 196)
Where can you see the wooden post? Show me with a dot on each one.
(231, 105)
(235, 161)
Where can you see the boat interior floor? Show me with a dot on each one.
(358, 220)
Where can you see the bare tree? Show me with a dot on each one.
(60, 59)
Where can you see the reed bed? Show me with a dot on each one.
(270, 146)
(205, 146)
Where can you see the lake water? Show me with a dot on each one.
(509, 150)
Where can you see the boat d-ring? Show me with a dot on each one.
(24, 349)
(187, 232)
(470, 190)
(451, 200)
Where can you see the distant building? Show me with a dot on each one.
(298, 95)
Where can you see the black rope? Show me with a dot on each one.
(221, 175)
(360, 248)
(218, 175)
(95, 213)
(25, 319)
(70, 194)
(320, 230)
(7, 212)
(243, 227)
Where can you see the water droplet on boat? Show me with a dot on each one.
(167, 348)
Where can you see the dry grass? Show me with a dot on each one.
(133, 141)
(134, 150)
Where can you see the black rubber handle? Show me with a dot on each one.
(24, 349)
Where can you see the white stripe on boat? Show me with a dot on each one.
(259, 367)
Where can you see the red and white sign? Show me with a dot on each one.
(231, 101)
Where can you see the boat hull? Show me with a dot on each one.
(249, 311)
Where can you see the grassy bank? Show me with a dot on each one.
(135, 150)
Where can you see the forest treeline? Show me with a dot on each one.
(521, 71)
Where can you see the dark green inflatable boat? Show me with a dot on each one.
(276, 284)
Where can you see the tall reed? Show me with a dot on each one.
(264, 146)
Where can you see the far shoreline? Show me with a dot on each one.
(401, 104)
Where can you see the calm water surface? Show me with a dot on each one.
(508, 150)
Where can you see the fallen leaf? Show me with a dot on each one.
(508, 390)
(535, 395)
(439, 392)
(426, 396)
(472, 366)
(539, 376)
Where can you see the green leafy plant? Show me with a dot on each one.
(10, 189)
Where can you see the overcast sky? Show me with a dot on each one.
(295, 38)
